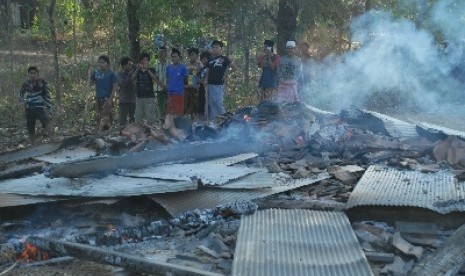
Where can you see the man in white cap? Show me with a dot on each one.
(289, 72)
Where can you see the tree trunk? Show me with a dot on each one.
(53, 33)
(74, 32)
(286, 23)
(27, 12)
(133, 28)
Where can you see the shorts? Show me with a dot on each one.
(175, 104)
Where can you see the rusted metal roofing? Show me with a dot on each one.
(384, 186)
(445, 130)
(395, 127)
(67, 155)
(178, 203)
(111, 186)
(297, 242)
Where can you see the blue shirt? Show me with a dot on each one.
(104, 82)
(175, 78)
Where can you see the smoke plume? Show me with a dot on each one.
(398, 64)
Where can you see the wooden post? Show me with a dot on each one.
(106, 256)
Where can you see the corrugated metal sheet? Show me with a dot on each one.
(9, 200)
(212, 172)
(257, 180)
(445, 130)
(227, 161)
(67, 155)
(297, 242)
(111, 186)
(395, 127)
(384, 186)
(178, 203)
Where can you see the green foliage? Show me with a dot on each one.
(88, 28)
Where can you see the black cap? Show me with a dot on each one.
(269, 43)
(217, 42)
(176, 51)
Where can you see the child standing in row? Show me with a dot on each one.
(176, 72)
(192, 92)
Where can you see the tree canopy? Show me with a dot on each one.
(75, 32)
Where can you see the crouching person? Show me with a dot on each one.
(35, 95)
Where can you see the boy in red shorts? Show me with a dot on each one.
(176, 72)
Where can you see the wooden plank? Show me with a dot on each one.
(21, 170)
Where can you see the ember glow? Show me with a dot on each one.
(32, 254)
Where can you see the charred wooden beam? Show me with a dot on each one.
(50, 261)
(21, 170)
(105, 256)
(446, 260)
(178, 153)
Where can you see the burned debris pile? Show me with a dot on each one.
(196, 203)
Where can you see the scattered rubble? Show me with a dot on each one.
(298, 158)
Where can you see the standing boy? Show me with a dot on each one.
(35, 95)
(127, 94)
(175, 75)
(268, 62)
(105, 87)
(145, 94)
(191, 94)
(289, 73)
(160, 90)
(204, 58)
(217, 66)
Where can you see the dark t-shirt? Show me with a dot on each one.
(217, 68)
(127, 92)
(144, 84)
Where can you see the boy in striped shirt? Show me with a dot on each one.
(35, 95)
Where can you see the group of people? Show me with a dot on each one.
(167, 90)
(285, 78)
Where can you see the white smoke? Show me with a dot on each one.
(397, 58)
